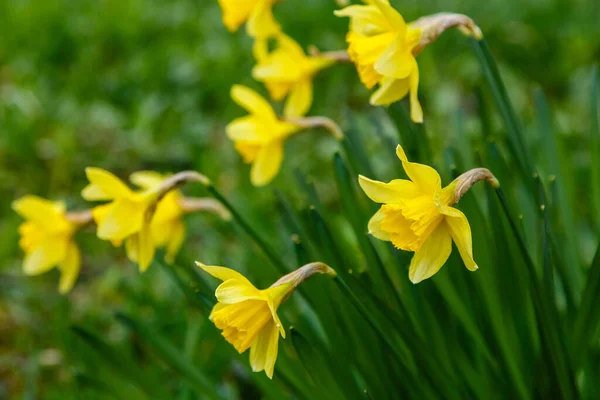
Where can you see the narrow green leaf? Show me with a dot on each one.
(171, 355)
(595, 146)
(588, 316)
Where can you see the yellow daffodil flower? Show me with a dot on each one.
(383, 47)
(167, 226)
(248, 317)
(126, 218)
(418, 215)
(288, 71)
(259, 137)
(47, 239)
(258, 13)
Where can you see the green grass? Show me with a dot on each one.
(129, 85)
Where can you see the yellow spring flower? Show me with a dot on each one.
(167, 226)
(288, 71)
(418, 215)
(383, 47)
(126, 218)
(258, 14)
(47, 239)
(259, 137)
(248, 317)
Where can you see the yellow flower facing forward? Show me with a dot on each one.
(258, 13)
(418, 215)
(126, 218)
(259, 137)
(383, 47)
(288, 71)
(47, 239)
(248, 316)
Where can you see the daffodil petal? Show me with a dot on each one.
(235, 12)
(275, 296)
(222, 273)
(252, 102)
(432, 255)
(261, 23)
(46, 256)
(424, 176)
(416, 112)
(146, 179)
(396, 61)
(69, 269)
(389, 91)
(300, 99)
(123, 219)
(235, 291)
(175, 242)
(46, 214)
(389, 193)
(263, 352)
(245, 128)
(267, 164)
(375, 226)
(103, 186)
(460, 230)
(146, 248)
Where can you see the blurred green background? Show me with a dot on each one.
(128, 85)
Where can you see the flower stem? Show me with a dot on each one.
(264, 246)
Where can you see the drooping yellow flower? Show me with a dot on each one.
(47, 239)
(248, 317)
(167, 226)
(383, 47)
(259, 137)
(288, 71)
(258, 13)
(126, 218)
(418, 215)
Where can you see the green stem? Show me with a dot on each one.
(264, 246)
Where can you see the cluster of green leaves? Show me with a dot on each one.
(130, 84)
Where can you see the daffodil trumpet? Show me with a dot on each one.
(418, 215)
(248, 316)
(384, 48)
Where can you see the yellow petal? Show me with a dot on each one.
(260, 49)
(235, 291)
(246, 128)
(69, 269)
(263, 352)
(123, 219)
(365, 20)
(47, 255)
(236, 12)
(432, 255)
(388, 193)
(252, 102)
(223, 273)
(396, 61)
(146, 247)
(275, 296)
(460, 230)
(390, 90)
(267, 164)
(375, 226)
(424, 176)
(175, 241)
(416, 112)
(146, 179)
(300, 99)
(103, 186)
(46, 214)
(261, 23)
(392, 16)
